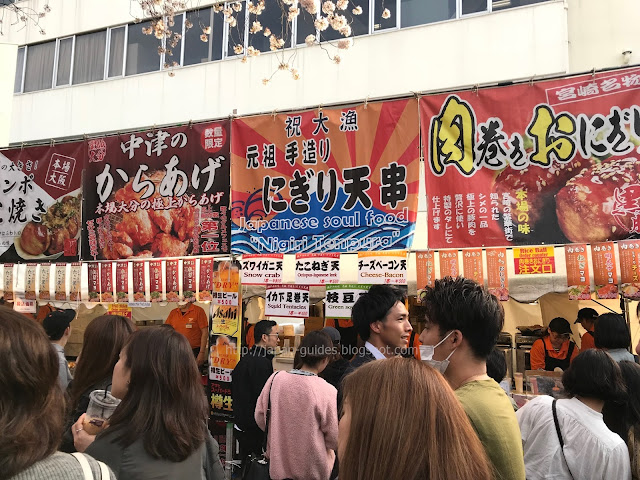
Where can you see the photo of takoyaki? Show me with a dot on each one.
(46, 239)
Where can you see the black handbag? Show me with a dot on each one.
(258, 468)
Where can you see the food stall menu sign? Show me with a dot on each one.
(122, 282)
(629, 266)
(44, 292)
(61, 281)
(75, 282)
(24, 305)
(93, 284)
(449, 266)
(8, 282)
(605, 273)
(205, 285)
(262, 269)
(173, 281)
(383, 267)
(160, 193)
(339, 299)
(472, 265)
(189, 279)
(497, 277)
(504, 176)
(226, 283)
(287, 301)
(425, 269)
(329, 180)
(155, 280)
(317, 268)
(30, 281)
(578, 279)
(534, 260)
(139, 290)
(106, 282)
(40, 211)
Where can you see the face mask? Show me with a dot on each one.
(426, 354)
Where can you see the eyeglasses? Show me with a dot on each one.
(271, 334)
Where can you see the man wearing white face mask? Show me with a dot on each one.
(463, 321)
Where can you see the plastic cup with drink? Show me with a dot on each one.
(101, 406)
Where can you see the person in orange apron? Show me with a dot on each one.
(555, 350)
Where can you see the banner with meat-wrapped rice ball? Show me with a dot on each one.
(40, 203)
(158, 193)
(549, 162)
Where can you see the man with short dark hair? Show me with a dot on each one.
(57, 326)
(248, 378)
(463, 321)
(555, 350)
(382, 321)
(587, 318)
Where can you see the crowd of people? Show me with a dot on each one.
(382, 415)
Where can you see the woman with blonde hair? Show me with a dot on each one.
(411, 427)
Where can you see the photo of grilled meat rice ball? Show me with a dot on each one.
(584, 207)
(540, 185)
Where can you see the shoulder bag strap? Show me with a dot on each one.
(268, 415)
(557, 423)
(86, 468)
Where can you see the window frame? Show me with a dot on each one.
(24, 64)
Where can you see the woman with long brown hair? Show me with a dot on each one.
(103, 340)
(32, 406)
(402, 421)
(159, 430)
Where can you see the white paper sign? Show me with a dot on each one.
(339, 299)
(382, 267)
(317, 268)
(225, 298)
(24, 306)
(287, 301)
(262, 269)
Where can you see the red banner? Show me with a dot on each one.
(553, 162)
(93, 282)
(472, 265)
(106, 282)
(629, 266)
(159, 193)
(425, 269)
(578, 279)
(189, 279)
(328, 180)
(604, 270)
(40, 211)
(139, 293)
(155, 280)
(173, 285)
(205, 286)
(122, 282)
(497, 278)
(449, 266)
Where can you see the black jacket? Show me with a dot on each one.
(248, 378)
(334, 372)
(363, 356)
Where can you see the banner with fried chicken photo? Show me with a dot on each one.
(40, 203)
(542, 162)
(158, 193)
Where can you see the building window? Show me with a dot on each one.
(236, 33)
(195, 50)
(39, 67)
(359, 24)
(473, 6)
(305, 26)
(421, 12)
(502, 4)
(88, 58)
(17, 85)
(173, 44)
(63, 68)
(276, 21)
(116, 51)
(380, 23)
(142, 50)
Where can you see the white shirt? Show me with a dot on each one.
(377, 354)
(592, 451)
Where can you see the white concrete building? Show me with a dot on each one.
(94, 71)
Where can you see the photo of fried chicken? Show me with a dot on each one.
(147, 233)
(585, 206)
